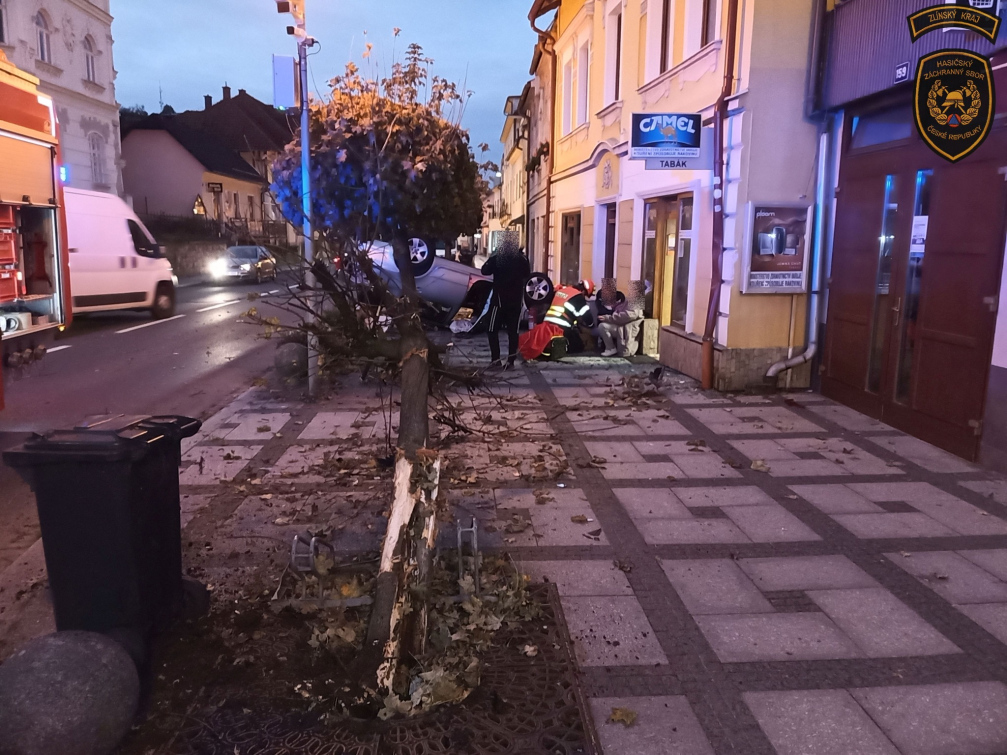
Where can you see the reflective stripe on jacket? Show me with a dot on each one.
(562, 311)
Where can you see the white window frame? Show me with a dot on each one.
(714, 11)
(90, 60)
(695, 22)
(658, 57)
(96, 151)
(583, 82)
(567, 101)
(43, 37)
(615, 51)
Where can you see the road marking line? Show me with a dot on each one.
(270, 293)
(54, 349)
(295, 285)
(218, 306)
(147, 325)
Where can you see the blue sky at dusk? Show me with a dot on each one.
(190, 48)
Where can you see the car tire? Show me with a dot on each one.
(164, 301)
(258, 276)
(538, 291)
(422, 256)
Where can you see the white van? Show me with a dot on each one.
(114, 261)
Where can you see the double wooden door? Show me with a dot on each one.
(914, 288)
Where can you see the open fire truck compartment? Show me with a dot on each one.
(34, 270)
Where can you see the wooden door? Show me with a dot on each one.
(913, 290)
(945, 318)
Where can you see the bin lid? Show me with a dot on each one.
(177, 427)
(110, 421)
(67, 446)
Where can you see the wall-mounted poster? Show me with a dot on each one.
(776, 254)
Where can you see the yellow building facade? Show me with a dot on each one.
(612, 218)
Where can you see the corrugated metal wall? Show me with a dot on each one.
(868, 39)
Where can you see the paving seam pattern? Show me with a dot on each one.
(714, 688)
(729, 725)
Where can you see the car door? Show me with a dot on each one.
(143, 266)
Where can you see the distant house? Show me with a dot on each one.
(232, 144)
(172, 169)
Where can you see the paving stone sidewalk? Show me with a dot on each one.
(747, 574)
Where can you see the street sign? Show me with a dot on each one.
(285, 82)
(704, 161)
(665, 135)
(215, 188)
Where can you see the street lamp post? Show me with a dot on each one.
(299, 30)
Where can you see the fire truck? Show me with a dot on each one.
(34, 265)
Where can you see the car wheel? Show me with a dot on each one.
(422, 256)
(164, 301)
(538, 290)
(258, 275)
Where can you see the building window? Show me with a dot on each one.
(613, 67)
(198, 208)
(583, 78)
(709, 21)
(90, 62)
(665, 35)
(44, 40)
(96, 148)
(251, 207)
(567, 97)
(3, 23)
(237, 206)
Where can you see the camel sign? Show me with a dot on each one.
(666, 136)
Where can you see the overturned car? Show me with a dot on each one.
(449, 286)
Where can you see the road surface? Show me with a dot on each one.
(128, 363)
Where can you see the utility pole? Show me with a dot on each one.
(296, 9)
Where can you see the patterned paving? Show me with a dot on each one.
(780, 576)
(746, 574)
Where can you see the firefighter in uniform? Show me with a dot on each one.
(559, 333)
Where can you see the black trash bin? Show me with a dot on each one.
(108, 504)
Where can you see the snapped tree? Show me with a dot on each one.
(390, 162)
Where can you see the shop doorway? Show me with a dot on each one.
(913, 295)
(610, 239)
(570, 249)
(667, 257)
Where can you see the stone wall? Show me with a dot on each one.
(192, 257)
(734, 369)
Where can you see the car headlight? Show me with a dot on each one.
(246, 267)
(218, 268)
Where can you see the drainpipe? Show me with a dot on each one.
(824, 148)
(717, 273)
(548, 42)
(817, 263)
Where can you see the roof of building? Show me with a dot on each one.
(212, 153)
(540, 7)
(243, 123)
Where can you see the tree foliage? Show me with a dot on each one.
(389, 158)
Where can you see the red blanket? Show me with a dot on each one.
(535, 341)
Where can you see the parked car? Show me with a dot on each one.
(447, 284)
(244, 263)
(114, 261)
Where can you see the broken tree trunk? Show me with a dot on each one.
(398, 625)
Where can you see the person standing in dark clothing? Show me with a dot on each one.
(510, 270)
